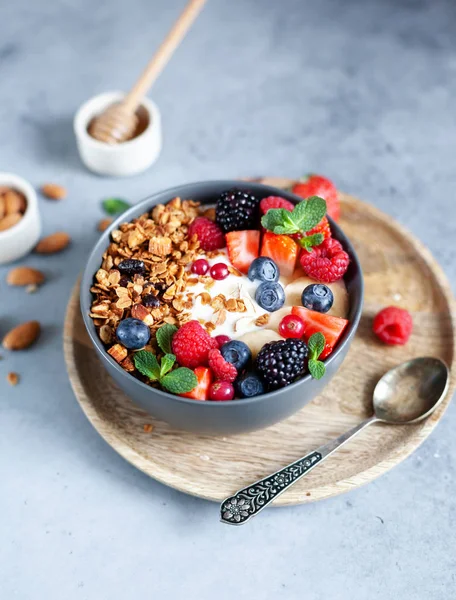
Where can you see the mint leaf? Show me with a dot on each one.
(115, 206)
(316, 345)
(308, 213)
(180, 381)
(317, 368)
(275, 217)
(165, 336)
(167, 363)
(147, 364)
(309, 241)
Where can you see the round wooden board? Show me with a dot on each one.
(398, 270)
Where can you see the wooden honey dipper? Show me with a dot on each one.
(118, 122)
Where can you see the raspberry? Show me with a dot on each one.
(327, 262)
(393, 325)
(275, 202)
(222, 369)
(191, 344)
(209, 235)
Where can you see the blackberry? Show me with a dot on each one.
(237, 210)
(280, 363)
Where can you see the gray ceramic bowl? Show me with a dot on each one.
(221, 418)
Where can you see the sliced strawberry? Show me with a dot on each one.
(283, 251)
(331, 327)
(316, 185)
(243, 248)
(201, 391)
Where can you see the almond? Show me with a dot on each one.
(14, 202)
(25, 276)
(9, 221)
(56, 242)
(12, 378)
(104, 224)
(54, 191)
(22, 336)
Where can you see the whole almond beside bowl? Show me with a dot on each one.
(25, 276)
(20, 224)
(22, 336)
(53, 191)
(56, 242)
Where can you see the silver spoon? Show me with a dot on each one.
(406, 394)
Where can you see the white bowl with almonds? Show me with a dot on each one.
(20, 223)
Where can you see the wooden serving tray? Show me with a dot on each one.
(398, 270)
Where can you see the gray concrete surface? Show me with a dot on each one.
(362, 91)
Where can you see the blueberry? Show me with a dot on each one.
(130, 266)
(270, 296)
(133, 333)
(317, 297)
(237, 353)
(264, 269)
(249, 385)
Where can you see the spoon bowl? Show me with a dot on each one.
(411, 391)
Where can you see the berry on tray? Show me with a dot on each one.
(393, 325)
(316, 185)
(191, 344)
(317, 296)
(219, 271)
(243, 248)
(222, 369)
(249, 385)
(209, 235)
(133, 333)
(291, 326)
(200, 267)
(281, 363)
(221, 391)
(270, 296)
(237, 210)
(331, 327)
(327, 262)
(201, 391)
(263, 268)
(283, 251)
(237, 353)
(275, 202)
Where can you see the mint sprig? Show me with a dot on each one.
(305, 216)
(115, 206)
(165, 336)
(179, 381)
(316, 345)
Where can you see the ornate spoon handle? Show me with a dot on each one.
(248, 502)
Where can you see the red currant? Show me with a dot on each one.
(222, 339)
(291, 327)
(200, 266)
(221, 390)
(219, 271)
